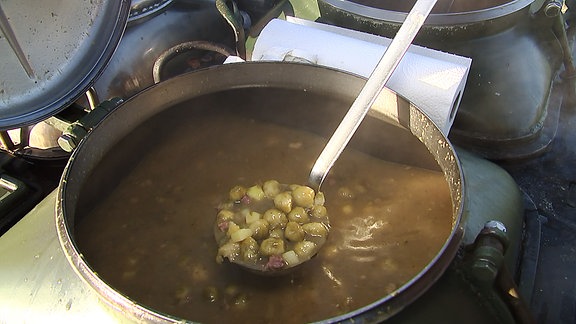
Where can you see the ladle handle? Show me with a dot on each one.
(367, 96)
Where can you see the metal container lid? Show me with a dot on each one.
(464, 12)
(142, 9)
(51, 52)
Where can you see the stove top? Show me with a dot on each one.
(23, 184)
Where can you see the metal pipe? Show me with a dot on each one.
(511, 296)
(569, 73)
(6, 141)
(92, 97)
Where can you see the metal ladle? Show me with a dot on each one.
(360, 107)
(369, 93)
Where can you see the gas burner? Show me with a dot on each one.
(24, 182)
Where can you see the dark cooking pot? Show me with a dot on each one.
(316, 97)
(496, 117)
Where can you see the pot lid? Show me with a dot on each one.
(50, 54)
(446, 12)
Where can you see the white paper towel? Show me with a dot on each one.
(432, 80)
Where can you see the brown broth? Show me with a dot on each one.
(152, 237)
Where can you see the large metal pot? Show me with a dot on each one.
(148, 37)
(496, 118)
(308, 93)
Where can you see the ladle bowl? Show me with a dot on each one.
(271, 228)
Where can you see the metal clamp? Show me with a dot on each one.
(72, 136)
(490, 276)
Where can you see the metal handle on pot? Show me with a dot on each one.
(172, 52)
(72, 136)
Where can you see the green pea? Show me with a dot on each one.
(277, 233)
(275, 218)
(305, 249)
(315, 229)
(298, 215)
(303, 196)
(272, 246)
(294, 232)
(237, 192)
(260, 229)
(319, 211)
(283, 201)
(249, 250)
(271, 188)
(225, 215)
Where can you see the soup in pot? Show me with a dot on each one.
(151, 236)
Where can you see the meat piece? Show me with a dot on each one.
(275, 262)
(245, 200)
(223, 226)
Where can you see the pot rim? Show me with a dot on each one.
(257, 74)
(444, 19)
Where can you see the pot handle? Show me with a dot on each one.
(76, 131)
(234, 18)
(184, 47)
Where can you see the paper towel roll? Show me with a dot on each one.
(432, 80)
